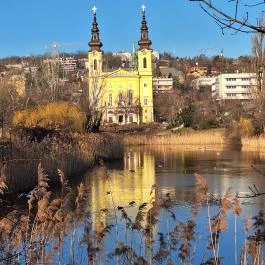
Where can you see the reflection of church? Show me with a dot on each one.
(125, 95)
(133, 183)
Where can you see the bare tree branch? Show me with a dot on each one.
(226, 20)
(254, 190)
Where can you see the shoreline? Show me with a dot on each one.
(208, 140)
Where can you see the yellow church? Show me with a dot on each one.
(124, 96)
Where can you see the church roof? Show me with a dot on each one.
(122, 73)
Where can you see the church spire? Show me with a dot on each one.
(144, 42)
(95, 44)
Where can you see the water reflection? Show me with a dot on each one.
(172, 170)
(129, 181)
(146, 174)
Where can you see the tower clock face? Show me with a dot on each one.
(94, 53)
(144, 52)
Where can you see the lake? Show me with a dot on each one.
(162, 177)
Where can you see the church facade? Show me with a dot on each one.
(124, 96)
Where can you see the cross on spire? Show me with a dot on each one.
(95, 43)
(144, 42)
(94, 9)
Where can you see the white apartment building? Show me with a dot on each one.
(162, 84)
(235, 86)
(69, 64)
(203, 82)
(127, 56)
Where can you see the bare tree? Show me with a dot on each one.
(92, 101)
(167, 105)
(258, 51)
(9, 102)
(128, 104)
(233, 14)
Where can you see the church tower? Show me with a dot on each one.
(95, 53)
(145, 72)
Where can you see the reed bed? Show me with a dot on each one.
(73, 154)
(40, 233)
(256, 143)
(199, 138)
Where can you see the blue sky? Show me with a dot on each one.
(176, 26)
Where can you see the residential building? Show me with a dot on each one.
(204, 85)
(18, 82)
(125, 96)
(235, 86)
(69, 64)
(127, 56)
(171, 72)
(156, 55)
(162, 84)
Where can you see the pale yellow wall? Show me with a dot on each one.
(148, 55)
(92, 56)
(116, 85)
(139, 82)
(146, 85)
(134, 184)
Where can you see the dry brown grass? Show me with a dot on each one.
(38, 235)
(255, 143)
(200, 138)
(73, 155)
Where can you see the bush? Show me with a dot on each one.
(246, 127)
(185, 116)
(51, 115)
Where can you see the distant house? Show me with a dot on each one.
(235, 86)
(204, 85)
(69, 64)
(16, 81)
(227, 86)
(170, 72)
(125, 56)
(162, 84)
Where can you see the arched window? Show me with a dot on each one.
(130, 97)
(110, 98)
(144, 63)
(120, 98)
(95, 65)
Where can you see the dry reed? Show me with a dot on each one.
(38, 235)
(199, 138)
(73, 154)
(255, 143)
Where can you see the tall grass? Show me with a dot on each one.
(209, 138)
(202, 138)
(255, 143)
(73, 154)
(40, 233)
